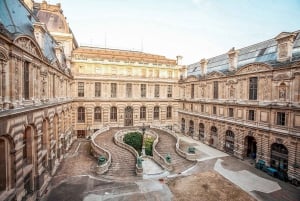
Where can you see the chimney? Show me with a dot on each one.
(179, 60)
(285, 42)
(233, 59)
(39, 33)
(203, 66)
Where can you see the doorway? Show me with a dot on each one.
(128, 116)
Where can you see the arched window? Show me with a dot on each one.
(169, 112)
(191, 127)
(214, 131)
(113, 113)
(182, 125)
(81, 115)
(97, 114)
(143, 112)
(7, 165)
(279, 157)
(201, 130)
(156, 112)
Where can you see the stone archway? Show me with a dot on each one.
(183, 125)
(3, 165)
(201, 132)
(250, 147)
(213, 141)
(229, 142)
(128, 120)
(279, 157)
(191, 128)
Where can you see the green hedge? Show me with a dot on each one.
(134, 139)
(148, 145)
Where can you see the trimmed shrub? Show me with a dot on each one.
(148, 145)
(134, 139)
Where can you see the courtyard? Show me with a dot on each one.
(216, 176)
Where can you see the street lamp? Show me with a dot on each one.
(143, 145)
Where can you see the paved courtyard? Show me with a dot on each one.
(75, 179)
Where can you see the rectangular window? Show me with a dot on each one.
(128, 90)
(251, 115)
(281, 118)
(143, 90)
(170, 90)
(202, 108)
(97, 89)
(253, 88)
(113, 90)
(156, 91)
(143, 113)
(26, 80)
(216, 89)
(192, 90)
(80, 89)
(230, 112)
(169, 112)
(214, 110)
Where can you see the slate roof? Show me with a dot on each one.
(17, 20)
(265, 52)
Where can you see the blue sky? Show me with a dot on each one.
(194, 29)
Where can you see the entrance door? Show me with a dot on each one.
(128, 116)
(250, 146)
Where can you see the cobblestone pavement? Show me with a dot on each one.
(75, 180)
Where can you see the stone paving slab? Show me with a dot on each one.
(247, 180)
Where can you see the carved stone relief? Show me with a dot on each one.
(267, 89)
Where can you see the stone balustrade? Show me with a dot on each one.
(118, 139)
(99, 151)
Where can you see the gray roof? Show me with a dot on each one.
(265, 52)
(17, 20)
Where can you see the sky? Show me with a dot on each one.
(194, 29)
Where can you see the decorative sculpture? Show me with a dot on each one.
(101, 160)
(168, 158)
(140, 162)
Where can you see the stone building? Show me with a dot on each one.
(244, 102)
(35, 103)
(122, 88)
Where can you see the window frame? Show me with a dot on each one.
(169, 112)
(129, 90)
(253, 87)
(143, 90)
(156, 113)
(97, 89)
(80, 88)
(113, 90)
(97, 114)
(143, 113)
(81, 114)
(156, 91)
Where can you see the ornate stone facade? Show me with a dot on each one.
(52, 91)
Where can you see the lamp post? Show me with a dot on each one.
(143, 145)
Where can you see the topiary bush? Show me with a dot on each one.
(134, 139)
(148, 145)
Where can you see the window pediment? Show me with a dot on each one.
(215, 74)
(29, 45)
(254, 67)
